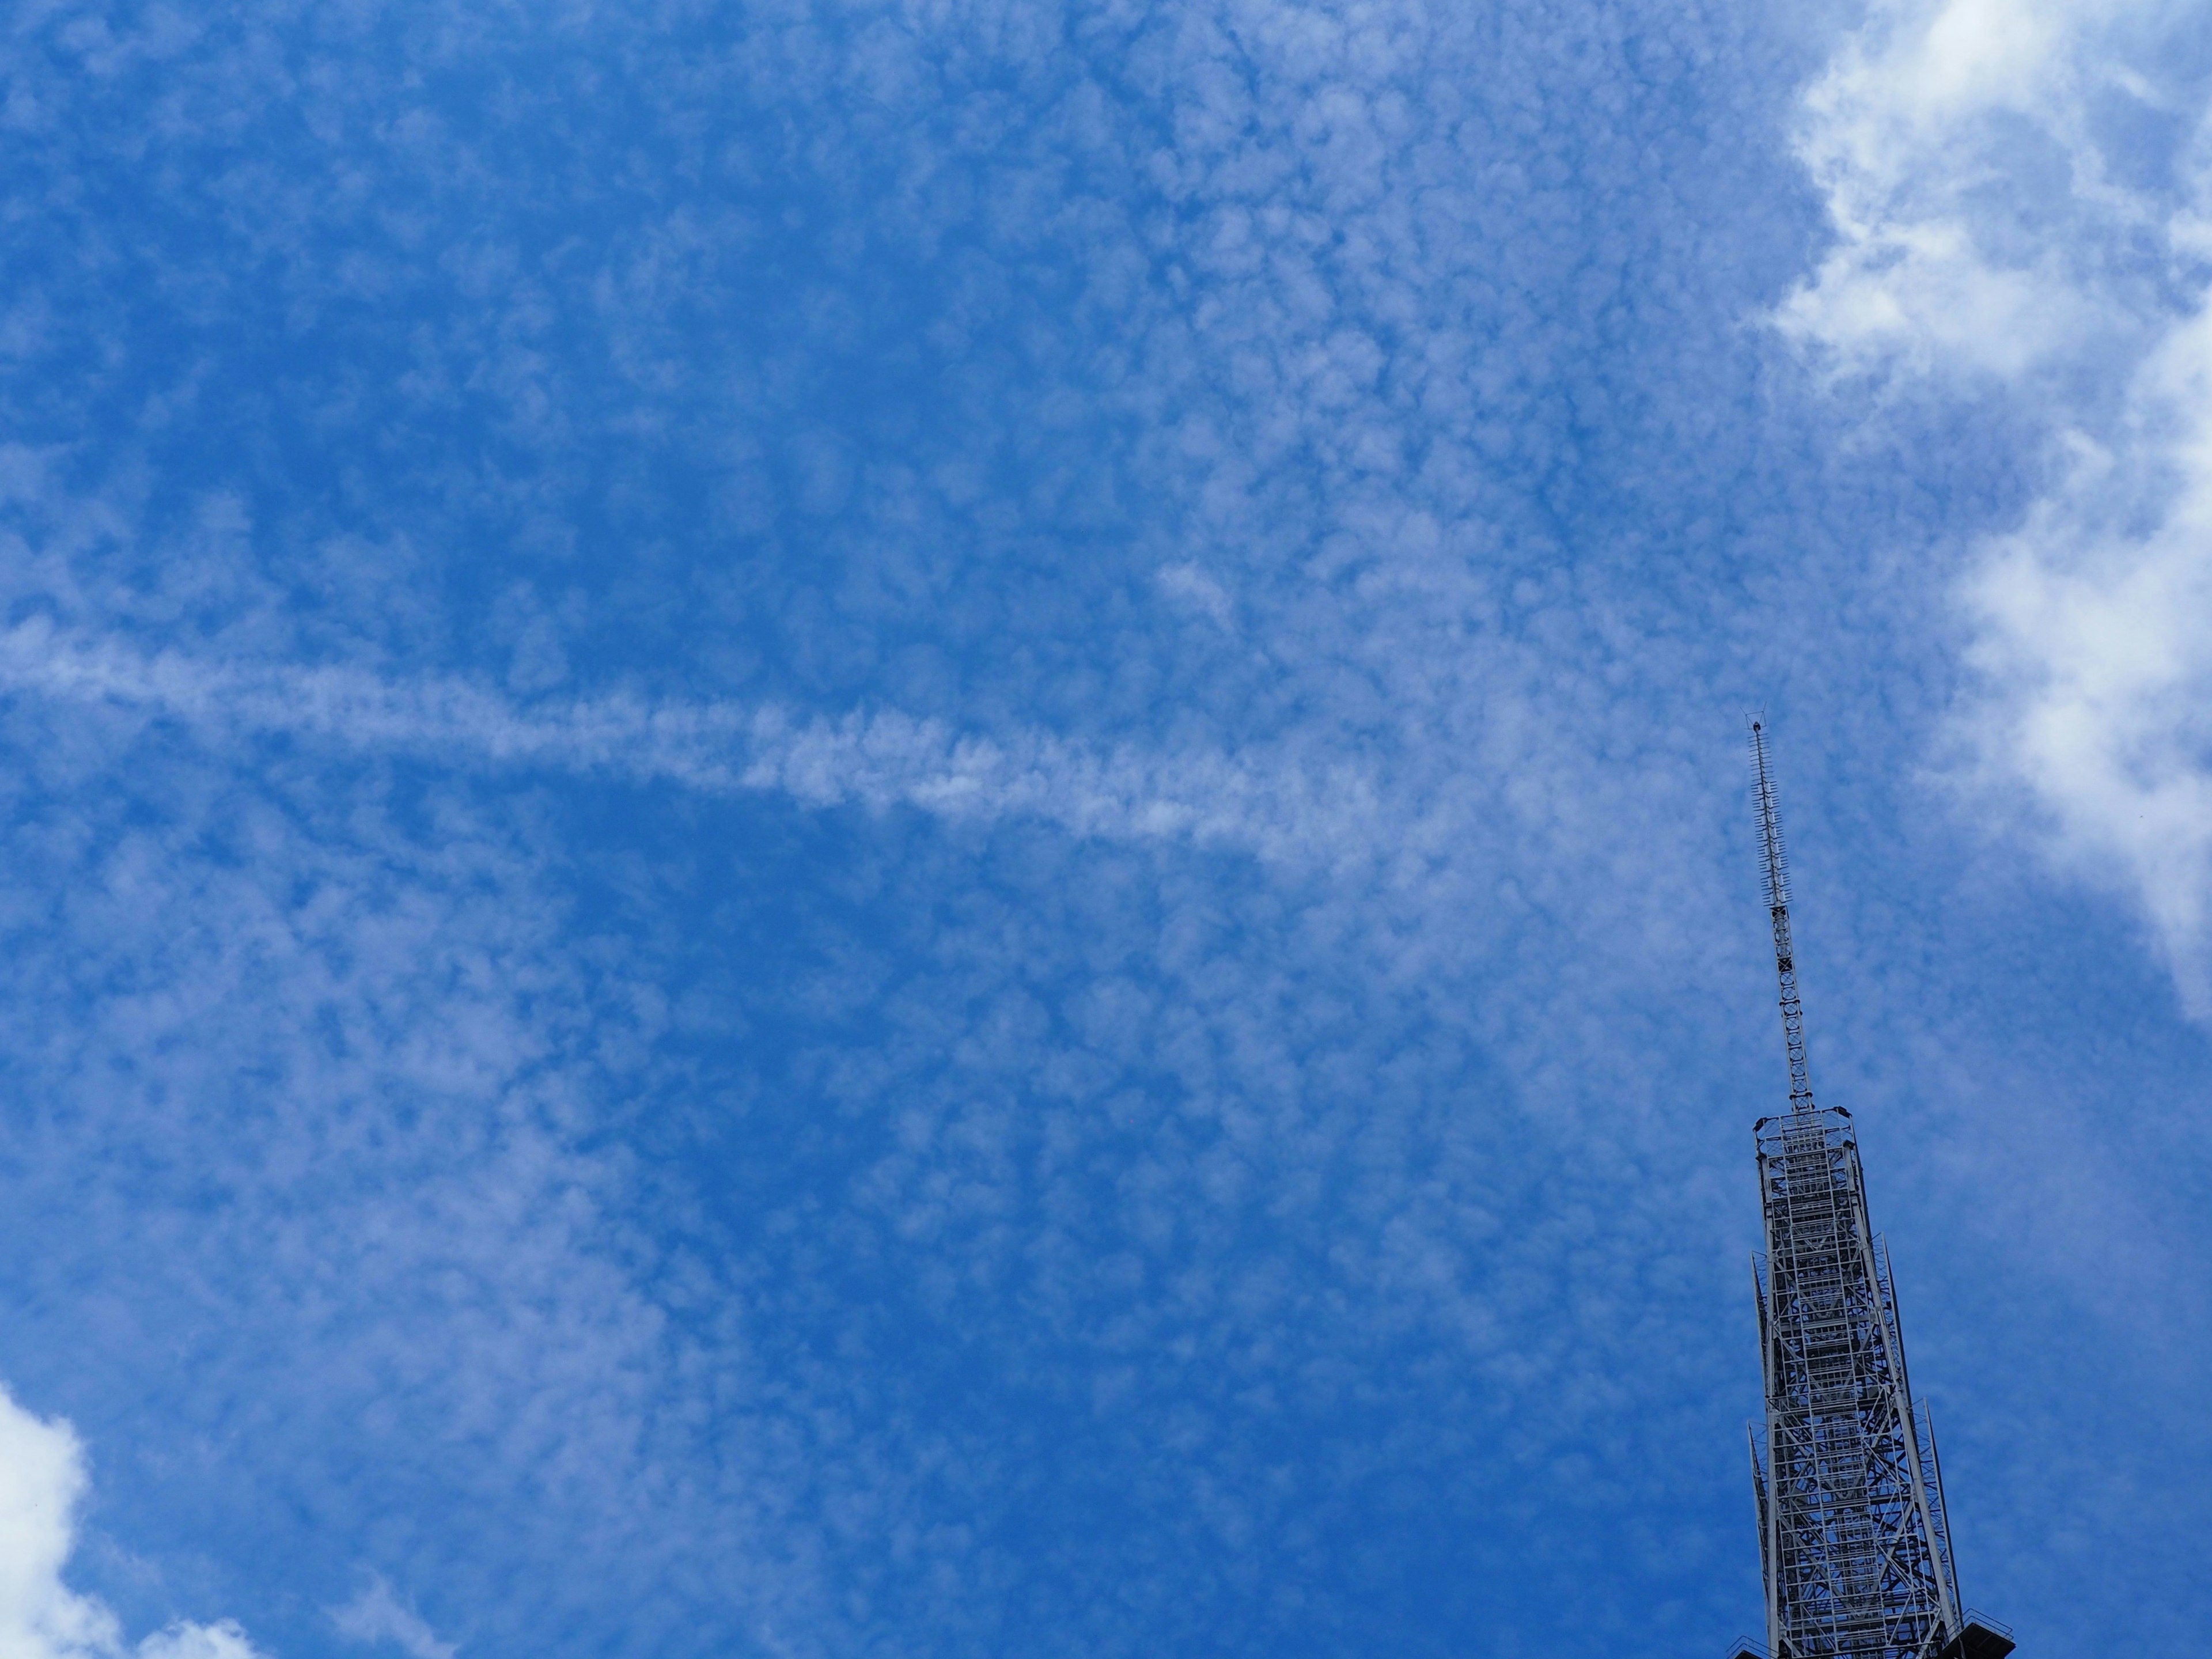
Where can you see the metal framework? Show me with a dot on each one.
(1852, 1531)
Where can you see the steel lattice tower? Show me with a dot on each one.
(1852, 1532)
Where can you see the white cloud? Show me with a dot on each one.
(377, 1615)
(222, 1641)
(1978, 215)
(1281, 810)
(2021, 191)
(1189, 583)
(2095, 648)
(42, 1482)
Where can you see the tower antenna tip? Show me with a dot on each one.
(1774, 867)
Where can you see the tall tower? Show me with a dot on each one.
(1851, 1526)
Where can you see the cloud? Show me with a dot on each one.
(222, 1641)
(1277, 809)
(2022, 196)
(42, 1484)
(399, 1015)
(2093, 621)
(1981, 209)
(377, 1615)
(950, 1243)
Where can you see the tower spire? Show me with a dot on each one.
(1774, 867)
(1854, 1539)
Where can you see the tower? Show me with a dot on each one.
(1852, 1532)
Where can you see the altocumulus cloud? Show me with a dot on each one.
(2022, 196)
(42, 1484)
(534, 474)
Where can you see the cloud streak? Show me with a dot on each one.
(376, 1616)
(878, 759)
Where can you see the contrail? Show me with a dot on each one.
(879, 759)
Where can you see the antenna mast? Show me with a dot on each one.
(1854, 1539)
(1775, 866)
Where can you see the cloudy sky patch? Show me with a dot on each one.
(921, 828)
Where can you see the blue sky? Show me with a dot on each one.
(920, 829)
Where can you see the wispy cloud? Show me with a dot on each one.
(2022, 194)
(877, 759)
(376, 1616)
(1984, 179)
(2093, 625)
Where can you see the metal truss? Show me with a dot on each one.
(1852, 1531)
(1857, 1548)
